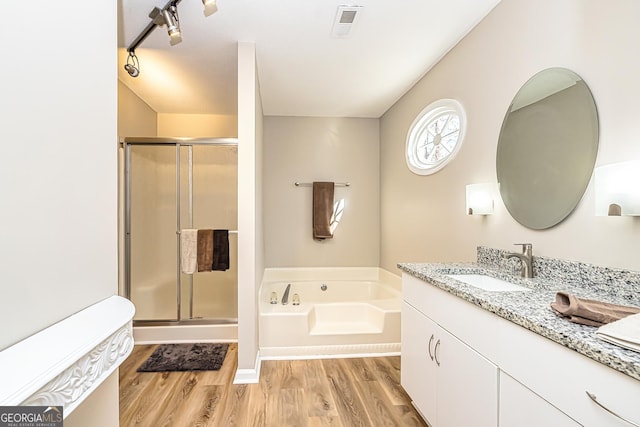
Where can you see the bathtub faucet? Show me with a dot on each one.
(285, 297)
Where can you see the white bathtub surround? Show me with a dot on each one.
(331, 273)
(64, 363)
(346, 311)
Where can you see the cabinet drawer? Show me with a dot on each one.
(562, 377)
(418, 293)
(472, 325)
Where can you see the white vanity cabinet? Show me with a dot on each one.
(450, 383)
(493, 372)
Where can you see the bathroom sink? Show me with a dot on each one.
(487, 283)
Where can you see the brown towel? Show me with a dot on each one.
(322, 209)
(590, 312)
(205, 250)
(220, 250)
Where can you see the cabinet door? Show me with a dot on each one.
(520, 407)
(467, 385)
(418, 372)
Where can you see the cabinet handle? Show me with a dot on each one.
(435, 352)
(593, 397)
(430, 341)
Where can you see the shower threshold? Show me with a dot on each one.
(185, 330)
(194, 321)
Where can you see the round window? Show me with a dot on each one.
(435, 136)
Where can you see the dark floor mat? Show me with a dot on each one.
(185, 357)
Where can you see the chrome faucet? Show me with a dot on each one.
(526, 257)
(285, 297)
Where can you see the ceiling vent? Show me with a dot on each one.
(346, 18)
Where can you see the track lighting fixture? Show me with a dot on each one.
(210, 7)
(132, 66)
(168, 16)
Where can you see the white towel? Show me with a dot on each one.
(624, 332)
(189, 250)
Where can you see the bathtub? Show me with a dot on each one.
(342, 312)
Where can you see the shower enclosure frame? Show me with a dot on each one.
(127, 143)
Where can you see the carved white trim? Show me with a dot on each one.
(65, 363)
(76, 382)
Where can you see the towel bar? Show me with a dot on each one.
(230, 231)
(309, 184)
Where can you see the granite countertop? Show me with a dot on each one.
(532, 310)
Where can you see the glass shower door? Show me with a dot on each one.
(152, 232)
(170, 187)
(209, 200)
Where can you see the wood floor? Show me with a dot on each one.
(326, 392)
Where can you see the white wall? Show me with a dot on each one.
(423, 217)
(250, 229)
(58, 171)
(308, 149)
(58, 175)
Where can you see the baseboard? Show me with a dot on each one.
(330, 351)
(249, 376)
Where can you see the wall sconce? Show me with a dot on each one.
(480, 199)
(617, 189)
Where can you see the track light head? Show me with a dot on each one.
(210, 7)
(173, 25)
(132, 66)
(169, 17)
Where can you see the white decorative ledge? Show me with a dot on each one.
(63, 364)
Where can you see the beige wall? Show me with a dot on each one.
(198, 125)
(135, 117)
(58, 177)
(321, 149)
(423, 217)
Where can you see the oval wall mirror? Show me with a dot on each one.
(547, 148)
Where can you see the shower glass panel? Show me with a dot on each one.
(214, 200)
(173, 186)
(153, 261)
